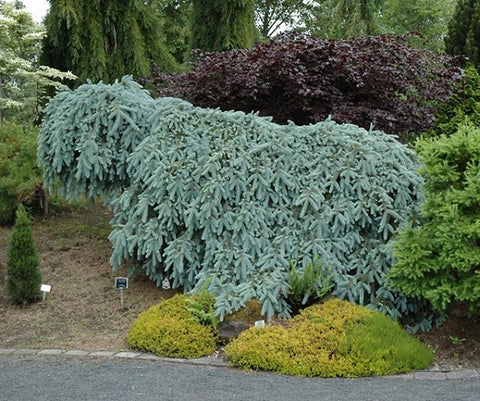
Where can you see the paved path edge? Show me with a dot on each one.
(430, 374)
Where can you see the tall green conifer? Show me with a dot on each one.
(464, 31)
(23, 275)
(104, 39)
(223, 24)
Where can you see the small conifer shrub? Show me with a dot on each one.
(23, 274)
(332, 339)
(438, 257)
(170, 329)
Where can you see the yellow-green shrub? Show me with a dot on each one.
(332, 339)
(169, 329)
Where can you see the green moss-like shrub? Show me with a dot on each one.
(332, 339)
(169, 329)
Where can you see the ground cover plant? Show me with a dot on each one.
(331, 339)
(365, 80)
(225, 201)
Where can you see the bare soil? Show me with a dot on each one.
(83, 310)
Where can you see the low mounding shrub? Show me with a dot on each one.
(333, 339)
(374, 80)
(20, 178)
(23, 274)
(169, 329)
(225, 200)
(438, 257)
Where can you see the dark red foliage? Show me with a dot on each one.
(377, 80)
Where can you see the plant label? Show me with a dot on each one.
(121, 283)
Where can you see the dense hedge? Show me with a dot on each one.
(374, 80)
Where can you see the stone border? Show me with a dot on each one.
(433, 374)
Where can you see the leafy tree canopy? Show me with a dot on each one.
(218, 25)
(23, 82)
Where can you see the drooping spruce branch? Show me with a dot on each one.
(226, 200)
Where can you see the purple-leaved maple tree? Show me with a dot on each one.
(377, 80)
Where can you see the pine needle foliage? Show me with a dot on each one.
(104, 39)
(463, 106)
(223, 201)
(218, 25)
(463, 37)
(439, 257)
(23, 274)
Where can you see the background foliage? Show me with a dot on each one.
(20, 178)
(104, 40)
(463, 35)
(462, 107)
(218, 25)
(23, 82)
(375, 80)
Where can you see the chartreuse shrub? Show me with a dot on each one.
(20, 178)
(223, 201)
(332, 339)
(438, 257)
(170, 329)
(23, 274)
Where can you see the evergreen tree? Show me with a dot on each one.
(23, 274)
(104, 39)
(345, 19)
(464, 31)
(218, 25)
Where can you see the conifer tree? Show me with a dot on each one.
(23, 273)
(218, 25)
(104, 39)
(464, 31)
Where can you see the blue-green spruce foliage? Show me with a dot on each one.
(88, 134)
(226, 200)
